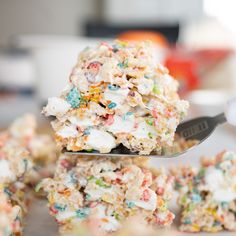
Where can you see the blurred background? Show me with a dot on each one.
(40, 41)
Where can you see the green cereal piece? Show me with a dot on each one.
(89, 150)
(201, 173)
(190, 207)
(116, 215)
(150, 135)
(90, 178)
(101, 183)
(156, 90)
(38, 187)
(149, 121)
(184, 200)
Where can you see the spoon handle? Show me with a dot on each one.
(230, 111)
(220, 119)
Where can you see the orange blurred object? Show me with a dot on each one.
(139, 35)
(183, 68)
(189, 67)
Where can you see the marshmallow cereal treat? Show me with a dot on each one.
(20, 148)
(15, 161)
(208, 196)
(117, 94)
(133, 227)
(107, 192)
(10, 216)
(41, 147)
(16, 171)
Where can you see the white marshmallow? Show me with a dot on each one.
(56, 106)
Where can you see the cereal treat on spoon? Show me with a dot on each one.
(117, 94)
(107, 192)
(208, 196)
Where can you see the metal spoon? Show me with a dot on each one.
(196, 129)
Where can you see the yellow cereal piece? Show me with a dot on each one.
(20, 194)
(212, 212)
(163, 207)
(211, 229)
(1, 186)
(160, 202)
(196, 227)
(51, 198)
(106, 198)
(95, 90)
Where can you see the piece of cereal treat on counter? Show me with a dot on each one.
(16, 173)
(132, 227)
(15, 199)
(117, 94)
(107, 192)
(10, 216)
(41, 146)
(208, 196)
(20, 146)
(15, 161)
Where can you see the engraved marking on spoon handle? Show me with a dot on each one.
(195, 129)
